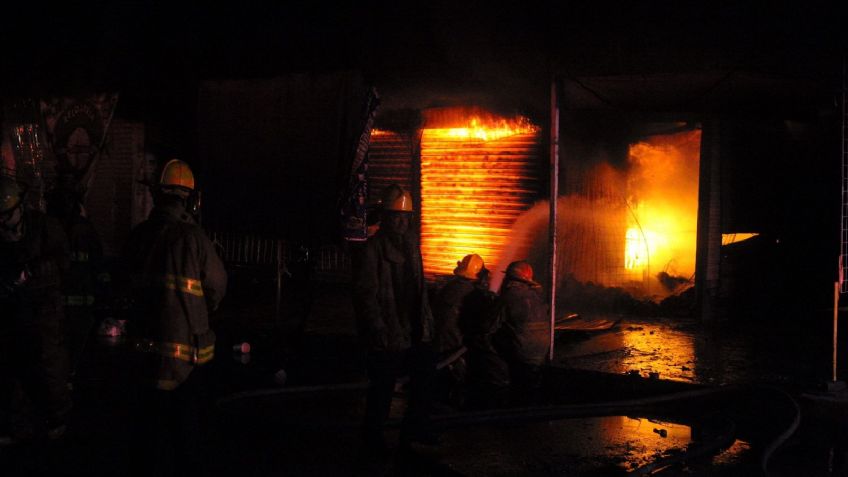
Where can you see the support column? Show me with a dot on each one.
(708, 256)
(553, 211)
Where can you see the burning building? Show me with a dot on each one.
(481, 179)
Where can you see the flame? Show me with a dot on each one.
(663, 204)
(475, 182)
(491, 131)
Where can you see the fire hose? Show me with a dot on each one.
(360, 385)
(612, 408)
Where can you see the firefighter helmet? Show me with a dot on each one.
(521, 271)
(11, 194)
(470, 267)
(396, 199)
(176, 174)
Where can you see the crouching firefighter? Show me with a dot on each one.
(176, 280)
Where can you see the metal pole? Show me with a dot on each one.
(835, 322)
(843, 246)
(278, 297)
(553, 211)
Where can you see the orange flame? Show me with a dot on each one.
(663, 203)
(492, 130)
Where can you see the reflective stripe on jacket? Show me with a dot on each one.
(179, 351)
(192, 286)
(176, 279)
(78, 300)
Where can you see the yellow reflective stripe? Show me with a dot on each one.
(205, 355)
(79, 300)
(191, 286)
(79, 256)
(179, 351)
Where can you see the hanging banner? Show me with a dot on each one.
(353, 212)
(76, 129)
(26, 154)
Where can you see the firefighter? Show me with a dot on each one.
(86, 281)
(176, 281)
(522, 335)
(33, 256)
(395, 322)
(459, 305)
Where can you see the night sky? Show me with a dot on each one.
(446, 48)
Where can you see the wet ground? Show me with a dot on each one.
(308, 425)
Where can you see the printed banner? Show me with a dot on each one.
(354, 215)
(76, 129)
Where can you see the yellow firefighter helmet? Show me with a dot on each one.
(176, 173)
(469, 267)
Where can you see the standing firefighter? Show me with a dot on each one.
(394, 320)
(459, 306)
(33, 256)
(177, 279)
(523, 330)
(86, 279)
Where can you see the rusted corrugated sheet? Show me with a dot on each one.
(109, 203)
(472, 191)
(390, 161)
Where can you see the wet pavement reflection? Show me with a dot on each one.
(615, 445)
(691, 352)
(317, 434)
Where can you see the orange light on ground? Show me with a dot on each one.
(663, 205)
(475, 182)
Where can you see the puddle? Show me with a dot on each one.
(689, 352)
(612, 445)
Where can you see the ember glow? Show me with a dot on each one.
(475, 182)
(663, 205)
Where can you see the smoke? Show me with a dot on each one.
(590, 240)
(624, 227)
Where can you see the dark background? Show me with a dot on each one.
(416, 53)
(771, 70)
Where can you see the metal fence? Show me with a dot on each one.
(327, 262)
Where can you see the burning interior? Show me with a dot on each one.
(627, 218)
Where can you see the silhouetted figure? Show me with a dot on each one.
(86, 280)
(33, 257)
(460, 304)
(394, 320)
(522, 335)
(177, 279)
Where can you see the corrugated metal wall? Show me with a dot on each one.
(110, 202)
(472, 191)
(390, 161)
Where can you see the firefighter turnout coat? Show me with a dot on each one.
(176, 280)
(523, 325)
(32, 346)
(389, 295)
